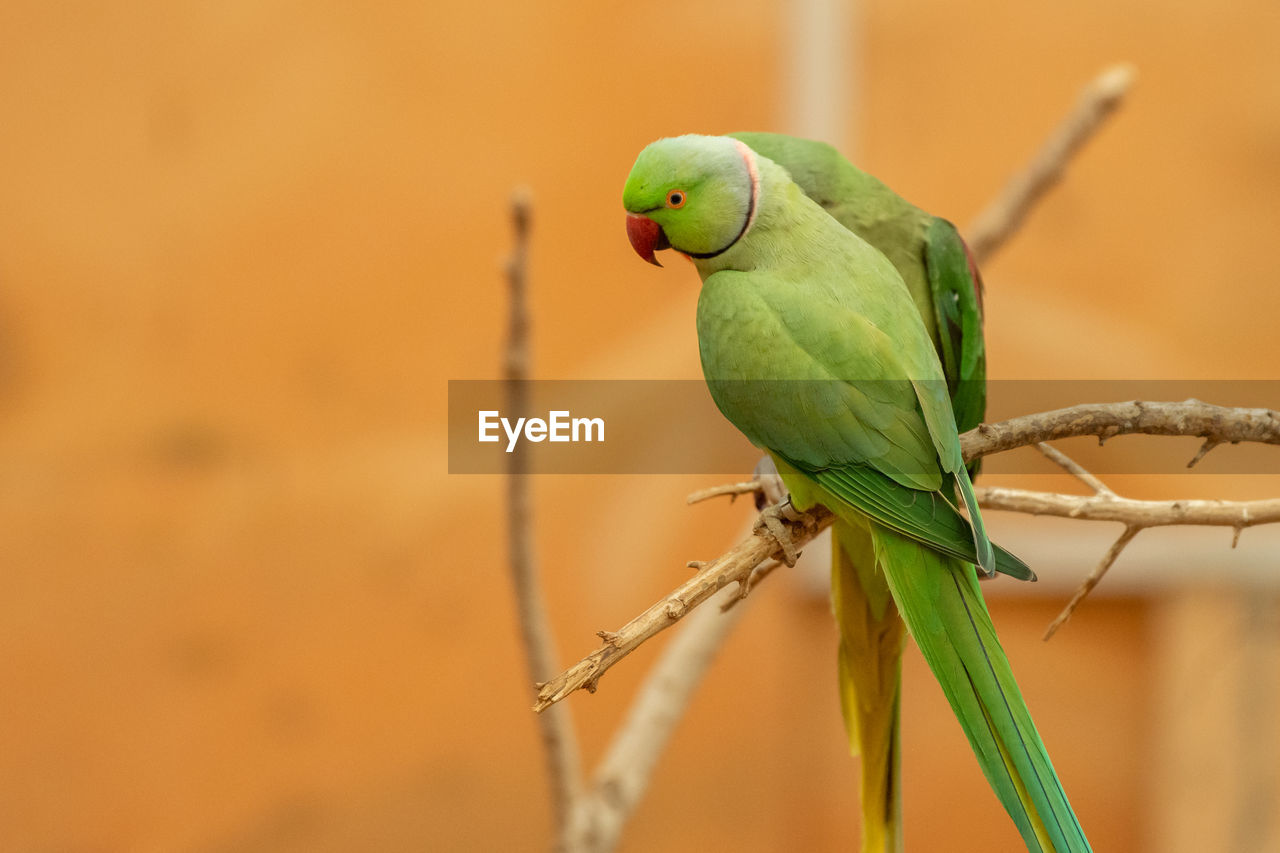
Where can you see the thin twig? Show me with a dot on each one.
(761, 572)
(734, 566)
(1092, 580)
(1209, 444)
(730, 489)
(558, 736)
(1073, 468)
(1006, 214)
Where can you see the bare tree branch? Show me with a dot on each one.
(1134, 515)
(1106, 420)
(734, 566)
(558, 736)
(1006, 214)
(1142, 514)
(1190, 417)
(1106, 505)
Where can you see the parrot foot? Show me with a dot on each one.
(776, 520)
(771, 488)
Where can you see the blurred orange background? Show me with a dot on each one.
(243, 246)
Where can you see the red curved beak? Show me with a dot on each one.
(646, 237)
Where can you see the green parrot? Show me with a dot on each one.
(947, 291)
(812, 346)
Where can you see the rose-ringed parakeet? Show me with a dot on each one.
(812, 347)
(947, 291)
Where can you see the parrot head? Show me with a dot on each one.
(695, 194)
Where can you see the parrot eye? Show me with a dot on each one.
(675, 199)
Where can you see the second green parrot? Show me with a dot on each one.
(812, 346)
(946, 289)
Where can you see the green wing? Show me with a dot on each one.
(929, 518)
(831, 369)
(936, 267)
(893, 439)
(956, 287)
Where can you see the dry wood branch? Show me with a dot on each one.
(1135, 515)
(1106, 420)
(735, 566)
(1111, 507)
(1006, 214)
(1106, 505)
(558, 736)
(1073, 468)
(1190, 417)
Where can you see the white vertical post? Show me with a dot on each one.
(1216, 737)
(819, 70)
(820, 64)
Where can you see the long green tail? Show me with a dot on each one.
(871, 641)
(939, 599)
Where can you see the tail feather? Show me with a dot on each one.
(943, 608)
(870, 665)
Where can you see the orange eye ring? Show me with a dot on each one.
(676, 199)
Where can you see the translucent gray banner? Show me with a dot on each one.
(674, 427)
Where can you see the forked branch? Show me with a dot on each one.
(1217, 424)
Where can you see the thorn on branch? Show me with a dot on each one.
(744, 588)
(1209, 444)
(750, 582)
(730, 489)
(1245, 521)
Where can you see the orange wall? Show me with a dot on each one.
(242, 248)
